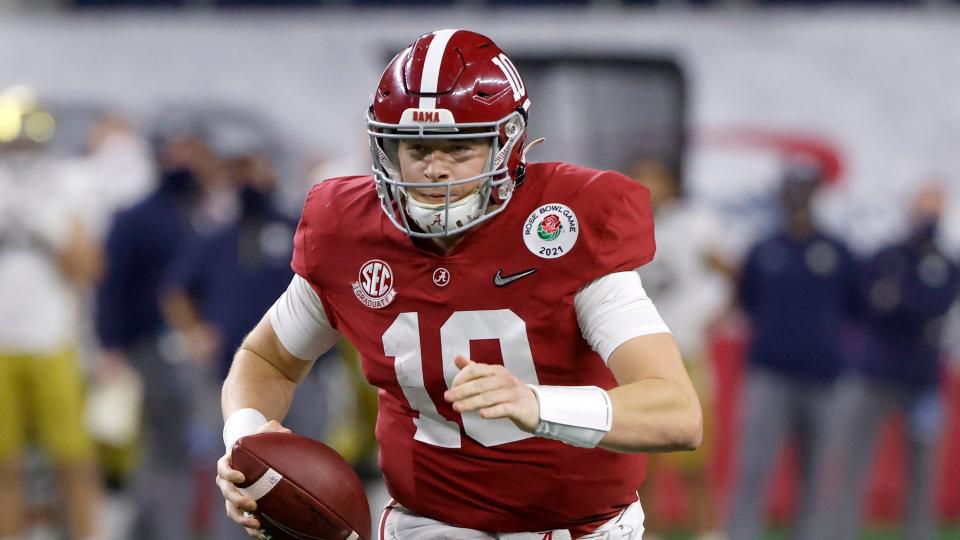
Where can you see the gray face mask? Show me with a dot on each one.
(419, 220)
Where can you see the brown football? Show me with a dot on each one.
(303, 488)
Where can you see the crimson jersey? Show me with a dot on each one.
(504, 294)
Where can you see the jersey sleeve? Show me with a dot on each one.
(301, 260)
(312, 250)
(322, 210)
(627, 242)
(616, 228)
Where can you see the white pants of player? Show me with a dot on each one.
(400, 523)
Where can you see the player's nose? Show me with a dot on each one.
(436, 169)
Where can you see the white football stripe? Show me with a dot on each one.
(431, 67)
(263, 485)
(353, 536)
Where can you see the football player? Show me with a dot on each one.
(521, 367)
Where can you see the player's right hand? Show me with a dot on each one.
(237, 504)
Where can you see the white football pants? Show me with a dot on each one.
(400, 523)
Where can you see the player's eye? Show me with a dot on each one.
(417, 149)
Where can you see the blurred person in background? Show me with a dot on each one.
(690, 295)
(221, 282)
(46, 258)
(798, 288)
(110, 167)
(140, 245)
(217, 288)
(114, 172)
(909, 287)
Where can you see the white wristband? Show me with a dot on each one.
(241, 423)
(576, 415)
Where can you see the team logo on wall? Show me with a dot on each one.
(551, 231)
(374, 288)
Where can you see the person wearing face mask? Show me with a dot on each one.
(908, 288)
(141, 242)
(798, 288)
(219, 285)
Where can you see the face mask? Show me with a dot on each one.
(253, 201)
(924, 232)
(180, 180)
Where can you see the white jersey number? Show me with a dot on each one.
(512, 75)
(402, 341)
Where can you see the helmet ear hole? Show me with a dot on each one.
(513, 127)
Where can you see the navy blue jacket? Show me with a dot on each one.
(236, 274)
(800, 296)
(140, 245)
(908, 289)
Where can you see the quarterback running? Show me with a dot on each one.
(522, 369)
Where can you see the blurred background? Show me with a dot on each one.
(803, 162)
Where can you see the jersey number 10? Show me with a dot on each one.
(402, 341)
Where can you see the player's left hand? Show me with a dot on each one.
(493, 391)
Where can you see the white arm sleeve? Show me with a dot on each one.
(614, 309)
(300, 322)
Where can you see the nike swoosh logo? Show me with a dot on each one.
(501, 281)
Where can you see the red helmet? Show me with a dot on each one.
(449, 84)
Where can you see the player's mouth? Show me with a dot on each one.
(432, 198)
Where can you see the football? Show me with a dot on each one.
(303, 488)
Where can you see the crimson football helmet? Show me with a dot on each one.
(449, 84)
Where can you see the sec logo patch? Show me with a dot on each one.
(551, 231)
(374, 286)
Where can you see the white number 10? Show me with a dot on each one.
(402, 341)
(512, 75)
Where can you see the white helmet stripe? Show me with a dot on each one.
(431, 67)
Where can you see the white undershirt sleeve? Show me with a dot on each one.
(613, 309)
(301, 323)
